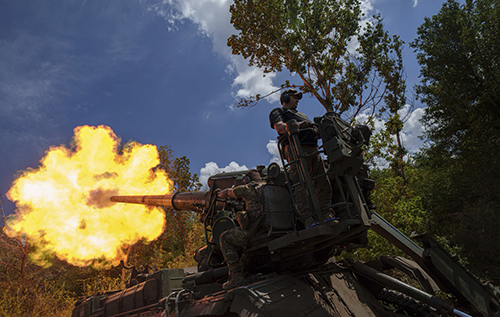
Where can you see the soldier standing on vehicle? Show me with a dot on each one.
(308, 141)
(251, 221)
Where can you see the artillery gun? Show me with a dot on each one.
(291, 270)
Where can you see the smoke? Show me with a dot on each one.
(105, 175)
(99, 198)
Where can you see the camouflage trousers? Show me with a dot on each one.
(322, 186)
(232, 243)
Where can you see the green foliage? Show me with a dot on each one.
(99, 283)
(48, 292)
(384, 148)
(30, 290)
(312, 39)
(397, 202)
(458, 50)
(195, 238)
(464, 202)
(175, 246)
(178, 170)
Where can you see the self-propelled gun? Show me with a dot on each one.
(291, 270)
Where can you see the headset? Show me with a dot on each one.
(285, 97)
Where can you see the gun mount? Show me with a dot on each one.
(291, 269)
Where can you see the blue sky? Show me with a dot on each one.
(155, 72)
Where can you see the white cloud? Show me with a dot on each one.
(251, 81)
(213, 20)
(362, 118)
(211, 16)
(272, 148)
(207, 114)
(415, 3)
(412, 128)
(367, 6)
(211, 168)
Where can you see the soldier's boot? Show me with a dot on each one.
(329, 216)
(310, 222)
(234, 279)
(235, 276)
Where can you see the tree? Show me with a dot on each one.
(178, 170)
(313, 39)
(459, 52)
(345, 66)
(183, 233)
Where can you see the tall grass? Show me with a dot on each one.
(22, 299)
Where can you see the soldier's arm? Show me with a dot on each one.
(228, 192)
(280, 126)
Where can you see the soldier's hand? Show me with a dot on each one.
(304, 124)
(243, 219)
(315, 129)
(223, 194)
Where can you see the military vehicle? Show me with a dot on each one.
(291, 270)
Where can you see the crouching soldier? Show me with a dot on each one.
(251, 221)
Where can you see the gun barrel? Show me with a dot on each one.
(178, 201)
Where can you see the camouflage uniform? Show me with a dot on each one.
(309, 144)
(322, 185)
(233, 241)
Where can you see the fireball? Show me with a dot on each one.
(63, 206)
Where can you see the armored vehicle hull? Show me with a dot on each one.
(329, 290)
